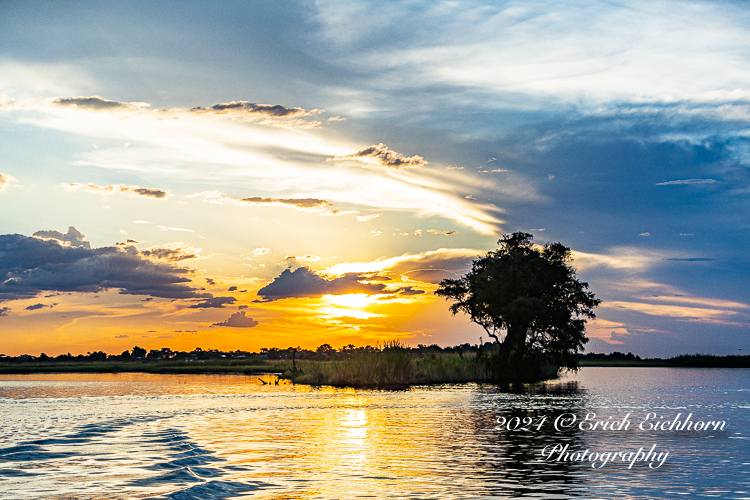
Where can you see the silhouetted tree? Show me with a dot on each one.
(138, 352)
(528, 299)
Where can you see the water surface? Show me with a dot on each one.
(122, 436)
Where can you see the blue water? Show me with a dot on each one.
(123, 436)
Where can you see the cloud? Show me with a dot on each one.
(214, 302)
(238, 320)
(96, 103)
(304, 258)
(624, 258)
(693, 259)
(685, 182)
(4, 311)
(179, 229)
(73, 237)
(645, 234)
(307, 205)
(36, 307)
(444, 233)
(365, 218)
(52, 261)
(277, 160)
(4, 181)
(245, 108)
(601, 51)
(304, 282)
(304, 203)
(122, 336)
(382, 156)
(261, 251)
(232, 289)
(171, 254)
(429, 267)
(119, 188)
(699, 314)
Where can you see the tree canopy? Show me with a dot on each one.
(528, 299)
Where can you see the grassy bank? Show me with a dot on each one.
(391, 367)
(187, 367)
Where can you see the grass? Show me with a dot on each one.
(391, 366)
(186, 367)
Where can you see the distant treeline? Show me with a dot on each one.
(682, 361)
(328, 353)
(323, 353)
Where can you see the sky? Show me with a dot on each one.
(243, 175)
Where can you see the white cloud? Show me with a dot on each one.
(365, 218)
(272, 160)
(589, 51)
(684, 182)
(623, 258)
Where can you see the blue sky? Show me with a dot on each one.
(381, 146)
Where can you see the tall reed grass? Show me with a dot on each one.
(392, 365)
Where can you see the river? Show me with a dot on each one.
(123, 436)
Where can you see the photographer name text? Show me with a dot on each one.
(649, 422)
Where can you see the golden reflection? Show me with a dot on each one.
(354, 433)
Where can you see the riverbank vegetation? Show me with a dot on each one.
(388, 365)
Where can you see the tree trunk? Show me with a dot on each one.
(514, 346)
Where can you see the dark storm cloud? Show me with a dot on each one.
(94, 103)
(52, 261)
(253, 109)
(214, 302)
(4, 311)
(238, 320)
(306, 283)
(384, 157)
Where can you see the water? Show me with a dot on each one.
(123, 436)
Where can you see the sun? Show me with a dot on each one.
(351, 305)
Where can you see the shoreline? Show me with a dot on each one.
(283, 367)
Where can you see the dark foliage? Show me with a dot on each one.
(528, 299)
